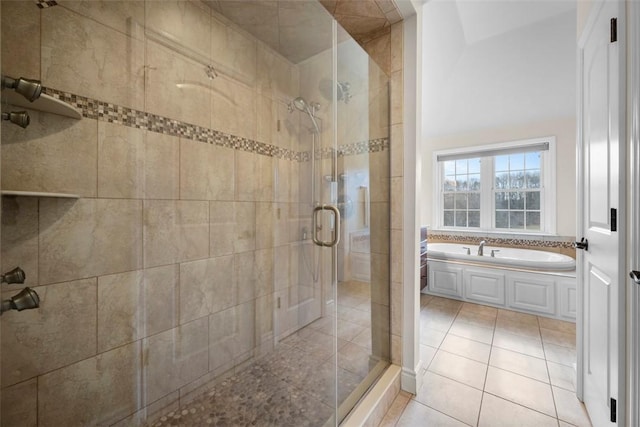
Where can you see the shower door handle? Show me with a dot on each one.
(314, 219)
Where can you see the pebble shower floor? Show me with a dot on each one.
(295, 384)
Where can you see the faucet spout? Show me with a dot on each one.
(481, 248)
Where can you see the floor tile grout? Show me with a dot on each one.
(447, 310)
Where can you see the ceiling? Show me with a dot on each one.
(497, 63)
(482, 19)
(300, 29)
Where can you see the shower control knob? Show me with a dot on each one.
(14, 276)
(26, 299)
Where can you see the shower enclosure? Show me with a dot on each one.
(199, 202)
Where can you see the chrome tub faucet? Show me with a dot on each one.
(481, 248)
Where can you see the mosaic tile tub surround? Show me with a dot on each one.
(112, 113)
(559, 244)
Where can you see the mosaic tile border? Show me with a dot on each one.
(561, 242)
(112, 113)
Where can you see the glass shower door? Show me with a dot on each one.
(186, 221)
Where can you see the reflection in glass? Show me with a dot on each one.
(461, 219)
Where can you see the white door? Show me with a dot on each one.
(602, 265)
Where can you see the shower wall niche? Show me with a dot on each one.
(187, 255)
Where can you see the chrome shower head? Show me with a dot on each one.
(30, 89)
(301, 104)
(21, 118)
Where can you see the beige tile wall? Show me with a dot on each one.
(161, 276)
(387, 51)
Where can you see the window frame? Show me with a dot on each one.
(487, 185)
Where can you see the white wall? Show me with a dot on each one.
(563, 129)
(498, 71)
(485, 73)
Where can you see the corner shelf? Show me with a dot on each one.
(14, 193)
(45, 103)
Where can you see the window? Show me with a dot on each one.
(506, 187)
(461, 193)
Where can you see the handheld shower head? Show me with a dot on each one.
(30, 89)
(302, 106)
(21, 118)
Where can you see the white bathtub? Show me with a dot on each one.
(528, 259)
(535, 282)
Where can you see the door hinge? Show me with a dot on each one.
(614, 30)
(614, 219)
(614, 410)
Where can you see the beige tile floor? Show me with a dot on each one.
(490, 367)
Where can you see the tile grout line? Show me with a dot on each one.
(486, 375)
